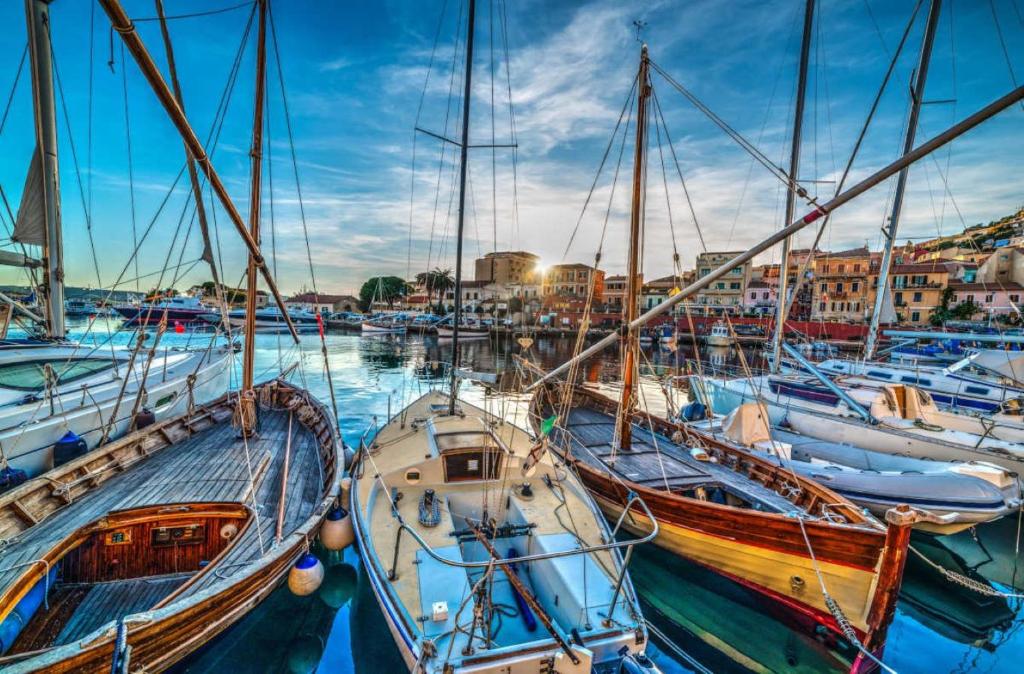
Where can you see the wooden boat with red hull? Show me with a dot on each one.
(170, 531)
(739, 515)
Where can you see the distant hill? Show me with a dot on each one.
(980, 236)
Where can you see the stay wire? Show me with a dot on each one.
(302, 214)
(1002, 44)
(600, 168)
(193, 15)
(14, 88)
(853, 155)
(793, 184)
(503, 21)
(679, 170)
(415, 136)
(128, 145)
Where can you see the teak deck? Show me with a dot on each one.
(194, 466)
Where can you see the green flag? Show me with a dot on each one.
(548, 424)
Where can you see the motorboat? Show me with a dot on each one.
(386, 324)
(178, 309)
(469, 328)
(719, 335)
(951, 496)
(896, 419)
(270, 319)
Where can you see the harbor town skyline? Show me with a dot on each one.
(365, 82)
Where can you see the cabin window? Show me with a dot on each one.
(976, 390)
(32, 376)
(879, 374)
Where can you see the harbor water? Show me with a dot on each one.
(699, 621)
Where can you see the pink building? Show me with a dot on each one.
(994, 298)
(760, 297)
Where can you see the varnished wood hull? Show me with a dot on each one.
(163, 636)
(861, 563)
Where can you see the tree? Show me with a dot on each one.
(439, 281)
(388, 289)
(943, 313)
(966, 310)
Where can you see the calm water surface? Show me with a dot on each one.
(700, 622)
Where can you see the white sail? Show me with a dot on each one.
(30, 227)
(887, 312)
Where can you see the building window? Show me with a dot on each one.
(734, 286)
(856, 268)
(842, 268)
(917, 297)
(821, 306)
(1014, 298)
(854, 287)
(824, 287)
(839, 286)
(720, 285)
(765, 296)
(988, 299)
(915, 316)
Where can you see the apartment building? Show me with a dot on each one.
(844, 285)
(573, 280)
(507, 268)
(726, 294)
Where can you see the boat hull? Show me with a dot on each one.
(444, 332)
(162, 636)
(861, 564)
(29, 444)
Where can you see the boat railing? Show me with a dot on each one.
(633, 498)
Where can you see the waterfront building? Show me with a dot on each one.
(573, 280)
(726, 294)
(322, 303)
(844, 285)
(507, 267)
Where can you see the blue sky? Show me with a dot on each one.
(354, 73)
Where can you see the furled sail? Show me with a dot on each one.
(11, 259)
(887, 315)
(30, 227)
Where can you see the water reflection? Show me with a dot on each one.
(940, 626)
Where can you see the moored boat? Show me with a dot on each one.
(131, 548)
(458, 520)
(741, 516)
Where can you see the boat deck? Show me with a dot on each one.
(211, 466)
(653, 460)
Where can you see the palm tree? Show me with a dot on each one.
(437, 281)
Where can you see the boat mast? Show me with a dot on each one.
(463, 156)
(1012, 98)
(37, 13)
(256, 157)
(916, 95)
(627, 398)
(791, 193)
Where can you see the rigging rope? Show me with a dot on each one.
(302, 214)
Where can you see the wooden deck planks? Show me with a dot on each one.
(653, 460)
(109, 601)
(210, 466)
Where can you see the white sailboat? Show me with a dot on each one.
(485, 553)
(58, 391)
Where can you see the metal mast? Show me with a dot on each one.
(37, 13)
(463, 156)
(256, 157)
(791, 194)
(629, 308)
(916, 94)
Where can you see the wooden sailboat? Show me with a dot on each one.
(767, 528)
(485, 554)
(136, 554)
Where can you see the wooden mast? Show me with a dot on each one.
(463, 156)
(791, 193)
(630, 305)
(124, 27)
(247, 416)
(193, 172)
(952, 133)
(916, 95)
